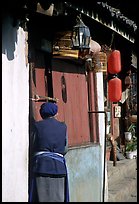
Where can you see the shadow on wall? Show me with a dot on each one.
(9, 37)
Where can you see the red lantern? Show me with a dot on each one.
(114, 62)
(115, 89)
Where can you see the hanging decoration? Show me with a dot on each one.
(114, 62)
(115, 89)
(81, 35)
(114, 84)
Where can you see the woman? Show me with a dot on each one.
(49, 183)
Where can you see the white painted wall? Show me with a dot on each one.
(15, 113)
(101, 121)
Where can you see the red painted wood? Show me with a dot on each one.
(92, 98)
(39, 89)
(75, 111)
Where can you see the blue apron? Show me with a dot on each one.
(57, 157)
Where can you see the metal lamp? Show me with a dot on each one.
(80, 35)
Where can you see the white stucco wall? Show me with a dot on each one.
(101, 121)
(15, 111)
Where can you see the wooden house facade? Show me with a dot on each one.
(40, 58)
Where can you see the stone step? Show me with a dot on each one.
(122, 181)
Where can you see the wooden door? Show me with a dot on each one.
(40, 82)
(70, 87)
(37, 89)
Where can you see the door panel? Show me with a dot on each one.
(74, 110)
(37, 88)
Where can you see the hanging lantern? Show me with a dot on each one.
(114, 62)
(80, 36)
(114, 89)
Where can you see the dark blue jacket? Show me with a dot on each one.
(50, 135)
